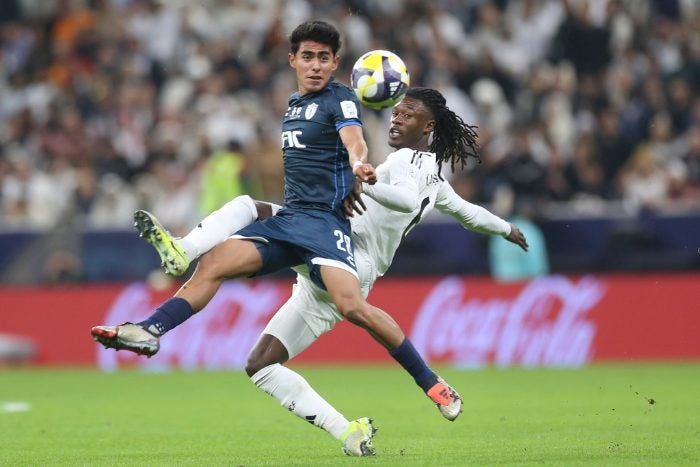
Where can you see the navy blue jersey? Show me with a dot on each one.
(316, 169)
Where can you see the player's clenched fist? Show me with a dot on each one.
(365, 172)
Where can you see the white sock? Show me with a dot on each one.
(296, 395)
(219, 225)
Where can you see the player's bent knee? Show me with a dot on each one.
(267, 351)
(255, 364)
(252, 367)
(210, 265)
(356, 312)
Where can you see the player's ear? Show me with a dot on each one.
(292, 60)
(336, 61)
(429, 126)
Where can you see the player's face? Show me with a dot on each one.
(411, 125)
(314, 64)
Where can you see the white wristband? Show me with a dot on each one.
(356, 164)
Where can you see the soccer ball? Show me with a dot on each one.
(379, 79)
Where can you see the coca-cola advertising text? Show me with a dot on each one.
(554, 321)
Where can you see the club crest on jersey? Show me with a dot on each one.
(310, 110)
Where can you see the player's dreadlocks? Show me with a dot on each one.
(453, 140)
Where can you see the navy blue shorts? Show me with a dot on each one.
(293, 237)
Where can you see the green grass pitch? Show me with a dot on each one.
(602, 415)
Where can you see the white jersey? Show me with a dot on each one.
(408, 186)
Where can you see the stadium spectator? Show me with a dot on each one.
(224, 176)
(691, 159)
(644, 182)
(584, 173)
(614, 147)
(508, 264)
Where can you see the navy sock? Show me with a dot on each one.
(168, 315)
(410, 359)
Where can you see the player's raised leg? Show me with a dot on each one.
(230, 259)
(224, 222)
(344, 290)
(176, 254)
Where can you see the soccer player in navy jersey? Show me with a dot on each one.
(323, 151)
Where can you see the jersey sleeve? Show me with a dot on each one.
(402, 192)
(344, 107)
(471, 216)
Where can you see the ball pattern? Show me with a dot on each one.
(380, 79)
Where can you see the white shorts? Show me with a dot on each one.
(310, 312)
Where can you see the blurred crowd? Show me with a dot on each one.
(107, 106)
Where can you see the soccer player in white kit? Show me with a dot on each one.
(409, 186)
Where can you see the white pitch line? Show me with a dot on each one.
(14, 407)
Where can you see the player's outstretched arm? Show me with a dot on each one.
(477, 218)
(395, 197)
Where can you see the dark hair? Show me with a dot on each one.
(453, 140)
(317, 31)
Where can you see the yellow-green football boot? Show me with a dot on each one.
(172, 257)
(357, 438)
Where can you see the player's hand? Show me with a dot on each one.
(517, 237)
(353, 201)
(365, 173)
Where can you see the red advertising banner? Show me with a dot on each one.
(466, 322)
